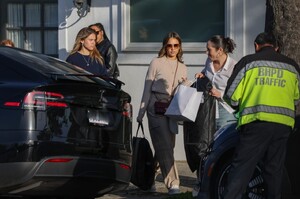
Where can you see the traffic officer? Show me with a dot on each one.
(264, 88)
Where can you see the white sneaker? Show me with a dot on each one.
(195, 191)
(174, 190)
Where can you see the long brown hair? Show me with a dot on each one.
(101, 27)
(163, 51)
(81, 35)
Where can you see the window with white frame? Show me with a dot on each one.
(33, 25)
(195, 21)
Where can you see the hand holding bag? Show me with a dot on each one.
(143, 172)
(185, 104)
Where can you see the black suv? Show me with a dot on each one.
(64, 132)
(215, 166)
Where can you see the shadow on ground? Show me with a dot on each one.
(187, 182)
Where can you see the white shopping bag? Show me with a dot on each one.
(185, 104)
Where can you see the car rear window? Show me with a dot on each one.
(44, 65)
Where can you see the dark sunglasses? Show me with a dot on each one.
(173, 45)
(97, 32)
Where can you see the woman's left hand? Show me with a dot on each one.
(183, 79)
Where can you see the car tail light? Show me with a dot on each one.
(127, 110)
(41, 100)
(124, 166)
(59, 160)
(12, 104)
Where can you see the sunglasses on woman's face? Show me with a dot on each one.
(173, 45)
(97, 31)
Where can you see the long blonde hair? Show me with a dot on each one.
(81, 35)
(163, 51)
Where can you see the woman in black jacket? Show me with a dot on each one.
(107, 50)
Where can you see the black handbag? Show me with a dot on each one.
(198, 135)
(203, 84)
(142, 168)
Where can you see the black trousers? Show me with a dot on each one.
(264, 141)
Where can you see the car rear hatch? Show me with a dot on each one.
(60, 124)
(61, 110)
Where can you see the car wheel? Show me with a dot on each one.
(256, 188)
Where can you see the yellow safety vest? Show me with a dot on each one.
(265, 91)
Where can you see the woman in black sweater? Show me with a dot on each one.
(85, 54)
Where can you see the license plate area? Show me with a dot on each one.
(100, 118)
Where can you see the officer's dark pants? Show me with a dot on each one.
(264, 141)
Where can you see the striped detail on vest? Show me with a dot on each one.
(257, 64)
(268, 109)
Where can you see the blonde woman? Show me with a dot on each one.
(85, 54)
(164, 74)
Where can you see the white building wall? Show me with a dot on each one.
(244, 20)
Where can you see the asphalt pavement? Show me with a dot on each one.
(187, 181)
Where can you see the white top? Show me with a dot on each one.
(219, 78)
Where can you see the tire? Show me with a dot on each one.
(256, 188)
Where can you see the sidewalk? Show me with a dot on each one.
(187, 181)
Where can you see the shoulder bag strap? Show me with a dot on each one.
(174, 79)
(172, 83)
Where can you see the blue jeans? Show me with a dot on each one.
(224, 117)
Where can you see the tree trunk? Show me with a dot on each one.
(283, 19)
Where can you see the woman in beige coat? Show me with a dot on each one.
(164, 74)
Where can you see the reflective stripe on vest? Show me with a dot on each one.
(256, 64)
(268, 109)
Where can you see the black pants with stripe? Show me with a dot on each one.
(259, 141)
